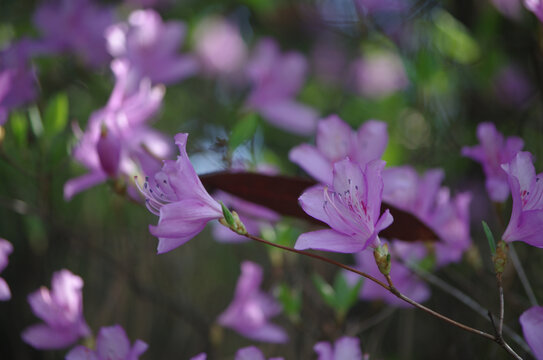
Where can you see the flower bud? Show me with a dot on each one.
(500, 257)
(382, 259)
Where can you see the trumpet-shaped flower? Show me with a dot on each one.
(111, 344)
(118, 141)
(532, 327)
(493, 151)
(178, 197)
(351, 207)
(526, 223)
(5, 249)
(61, 309)
(150, 47)
(250, 310)
(276, 79)
(77, 26)
(334, 141)
(343, 348)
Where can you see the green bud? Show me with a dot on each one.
(228, 217)
(382, 259)
(500, 257)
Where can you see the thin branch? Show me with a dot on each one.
(392, 289)
(462, 297)
(502, 304)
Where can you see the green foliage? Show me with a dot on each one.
(291, 300)
(341, 297)
(489, 237)
(19, 128)
(243, 130)
(453, 39)
(55, 116)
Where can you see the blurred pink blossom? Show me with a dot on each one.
(77, 26)
(343, 348)
(118, 141)
(276, 79)
(250, 310)
(111, 344)
(219, 46)
(5, 249)
(493, 151)
(532, 327)
(61, 309)
(535, 6)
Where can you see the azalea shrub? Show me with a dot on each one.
(251, 180)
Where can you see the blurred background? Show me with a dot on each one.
(432, 70)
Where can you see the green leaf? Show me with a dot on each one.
(291, 301)
(346, 295)
(19, 127)
(243, 130)
(228, 215)
(325, 290)
(489, 237)
(453, 39)
(56, 115)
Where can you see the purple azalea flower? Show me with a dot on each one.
(202, 356)
(424, 197)
(493, 151)
(509, 8)
(111, 344)
(117, 140)
(344, 348)
(351, 207)
(5, 249)
(177, 195)
(252, 353)
(150, 47)
(526, 223)
(404, 280)
(17, 76)
(532, 327)
(61, 309)
(379, 75)
(276, 79)
(250, 310)
(77, 26)
(334, 141)
(535, 6)
(219, 46)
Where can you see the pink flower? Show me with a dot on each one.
(250, 310)
(351, 206)
(111, 344)
(219, 46)
(77, 26)
(424, 197)
(61, 309)
(334, 141)
(252, 353)
(5, 249)
(535, 6)
(276, 79)
(379, 75)
(509, 8)
(344, 348)
(526, 223)
(532, 327)
(118, 141)
(150, 47)
(178, 197)
(493, 151)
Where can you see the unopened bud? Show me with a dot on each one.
(382, 259)
(500, 257)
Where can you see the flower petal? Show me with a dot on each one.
(291, 116)
(81, 353)
(249, 353)
(334, 138)
(112, 343)
(371, 142)
(347, 348)
(5, 293)
(329, 240)
(75, 186)
(313, 162)
(43, 337)
(268, 333)
(324, 351)
(532, 328)
(312, 201)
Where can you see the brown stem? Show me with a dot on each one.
(502, 305)
(392, 289)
